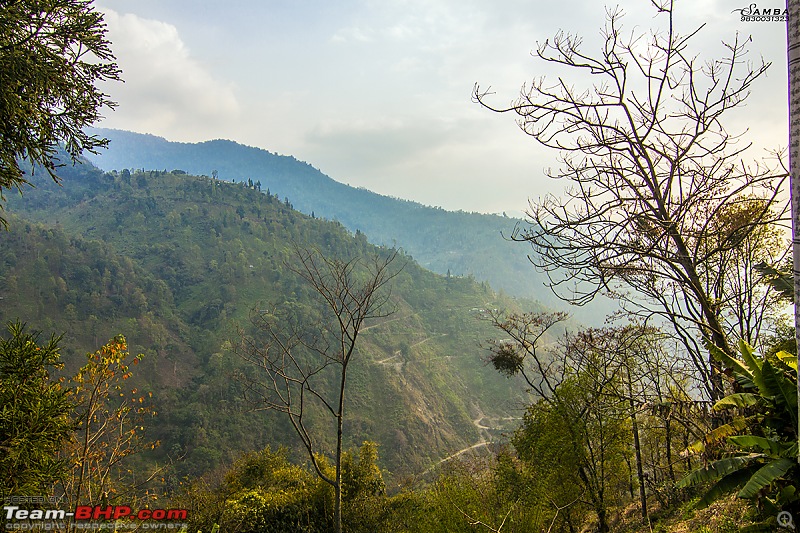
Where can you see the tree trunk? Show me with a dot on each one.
(631, 489)
(712, 329)
(668, 448)
(337, 504)
(637, 447)
(793, 53)
(602, 521)
(339, 432)
(670, 467)
(685, 446)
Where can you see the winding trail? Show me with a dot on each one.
(481, 443)
(367, 328)
(397, 353)
(426, 339)
(477, 422)
(383, 361)
(459, 452)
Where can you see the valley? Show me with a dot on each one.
(178, 262)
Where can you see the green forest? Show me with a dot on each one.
(183, 349)
(443, 241)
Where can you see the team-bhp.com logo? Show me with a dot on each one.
(93, 517)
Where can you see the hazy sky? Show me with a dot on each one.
(376, 93)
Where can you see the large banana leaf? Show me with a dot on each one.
(739, 400)
(766, 475)
(718, 469)
(725, 485)
(717, 434)
(785, 390)
(772, 447)
(770, 387)
(788, 359)
(752, 362)
(743, 374)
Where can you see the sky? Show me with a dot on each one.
(377, 93)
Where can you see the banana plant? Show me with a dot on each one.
(762, 459)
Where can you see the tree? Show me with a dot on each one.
(110, 424)
(34, 413)
(264, 492)
(303, 355)
(53, 54)
(599, 393)
(522, 353)
(591, 446)
(363, 489)
(629, 365)
(575, 388)
(653, 174)
(735, 276)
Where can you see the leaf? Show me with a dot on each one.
(787, 494)
(755, 365)
(788, 359)
(739, 400)
(770, 446)
(717, 470)
(785, 390)
(725, 485)
(717, 434)
(766, 475)
(736, 366)
(748, 354)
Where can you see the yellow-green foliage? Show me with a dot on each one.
(263, 491)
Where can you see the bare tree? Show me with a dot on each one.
(652, 174)
(526, 350)
(303, 359)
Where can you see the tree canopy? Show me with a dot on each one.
(53, 54)
(34, 417)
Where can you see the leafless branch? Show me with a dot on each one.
(657, 187)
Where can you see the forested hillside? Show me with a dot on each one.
(459, 242)
(183, 349)
(177, 263)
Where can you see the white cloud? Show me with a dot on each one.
(456, 163)
(352, 34)
(166, 90)
(377, 92)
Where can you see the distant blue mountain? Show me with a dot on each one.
(458, 243)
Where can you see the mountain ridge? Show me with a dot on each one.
(456, 241)
(176, 263)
